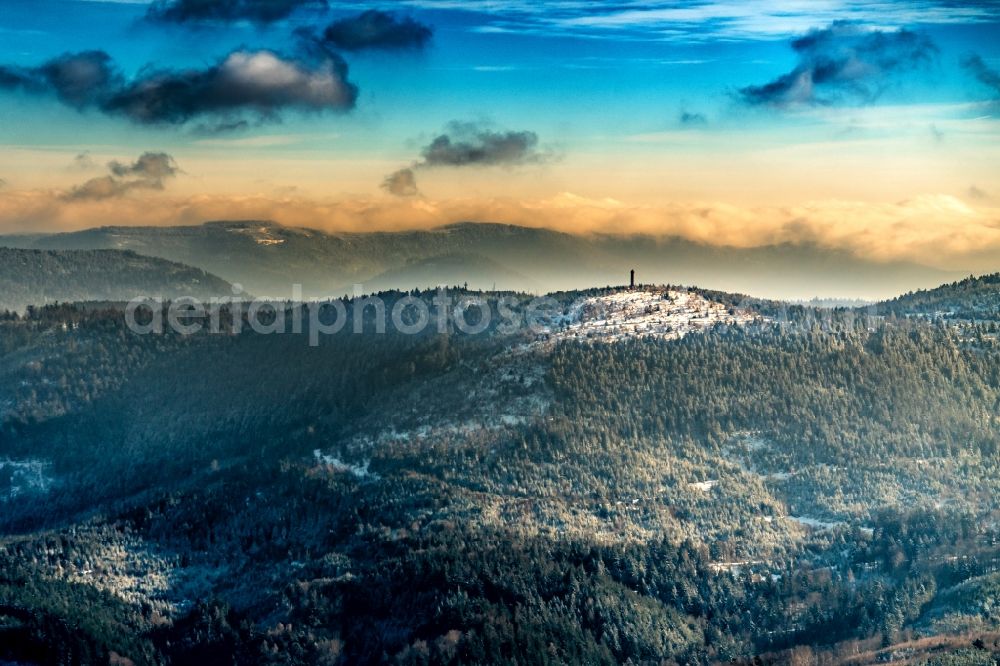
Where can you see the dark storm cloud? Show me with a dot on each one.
(375, 29)
(985, 75)
(258, 83)
(261, 82)
(469, 144)
(79, 80)
(402, 183)
(843, 60)
(689, 118)
(226, 11)
(147, 173)
(149, 166)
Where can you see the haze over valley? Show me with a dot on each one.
(267, 259)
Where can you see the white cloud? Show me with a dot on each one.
(712, 19)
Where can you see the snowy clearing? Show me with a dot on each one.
(666, 314)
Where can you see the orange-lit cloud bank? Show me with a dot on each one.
(940, 230)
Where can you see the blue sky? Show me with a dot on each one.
(633, 115)
(565, 66)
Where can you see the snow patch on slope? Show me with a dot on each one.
(18, 477)
(337, 465)
(262, 234)
(666, 314)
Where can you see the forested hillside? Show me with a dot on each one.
(37, 277)
(804, 487)
(976, 298)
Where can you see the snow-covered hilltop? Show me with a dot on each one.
(647, 312)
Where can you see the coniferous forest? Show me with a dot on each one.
(499, 332)
(809, 487)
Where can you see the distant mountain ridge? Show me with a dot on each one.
(37, 277)
(267, 259)
(453, 269)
